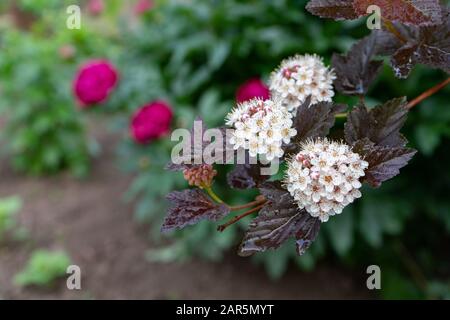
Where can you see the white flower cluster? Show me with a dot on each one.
(261, 127)
(300, 76)
(324, 177)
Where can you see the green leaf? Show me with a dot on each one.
(340, 231)
(396, 286)
(370, 223)
(427, 139)
(212, 111)
(218, 54)
(8, 209)
(276, 262)
(43, 268)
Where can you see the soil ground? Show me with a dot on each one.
(89, 220)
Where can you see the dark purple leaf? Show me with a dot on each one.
(359, 124)
(355, 71)
(246, 176)
(386, 43)
(313, 121)
(334, 9)
(428, 45)
(189, 206)
(279, 220)
(380, 125)
(278, 198)
(198, 144)
(413, 12)
(404, 59)
(384, 162)
(306, 234)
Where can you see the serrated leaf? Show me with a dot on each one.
(278, 197)
(196, 148)
(428, 45)
(279, 220)
(334, 9)
(356, 70)
(386, 44)
(198, 144)
(384, 162)
(313, 121)
(246, 176)
(390, 118)
(189, 206)
(380, 125)
(403, 60)
(413, 12)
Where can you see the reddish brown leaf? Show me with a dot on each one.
(404, 60)
(198, 143)
(334, 9)
(246, 176)
(278, 221)
(428, 45)
(189, 207)
(380, 125)
(313, 121)
(356, 70)
(413, 12)
(384, 162)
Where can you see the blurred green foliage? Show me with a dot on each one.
(43, 268)
(45, 132)
(9, 208)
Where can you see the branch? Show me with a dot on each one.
(258, 200)
(222, 227)
(428, 93)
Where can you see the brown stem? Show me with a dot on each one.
(258, 201)
(428, 93)
(392, 29)
(222, 227)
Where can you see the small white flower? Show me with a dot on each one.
(300, 76)
(324, 177)
(261, 126)
(287, 134)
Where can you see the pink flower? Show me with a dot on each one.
(151, 122)
(95, 7)
(143, 6)
(253, 88)
(94, 82)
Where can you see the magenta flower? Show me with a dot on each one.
(95, 7)
(143, 6)
(253, 88)
(151, 122)
(94, 82)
